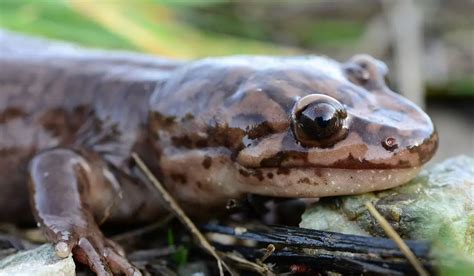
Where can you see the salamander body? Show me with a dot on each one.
(212, 130)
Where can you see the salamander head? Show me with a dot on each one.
(292, 127)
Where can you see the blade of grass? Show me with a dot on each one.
(156, 29)
(391, 233)
(181, 215)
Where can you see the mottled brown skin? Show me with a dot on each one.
(212, 130)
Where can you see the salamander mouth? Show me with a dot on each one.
(360, 156)
(346, 177)
(323, 182)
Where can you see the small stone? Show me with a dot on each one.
(62, 250)
(194, 269)
(438, 205)
(41, 261)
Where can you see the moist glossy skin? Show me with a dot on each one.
(212, 130)
(236, 127)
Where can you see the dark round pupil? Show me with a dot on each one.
(319, 120)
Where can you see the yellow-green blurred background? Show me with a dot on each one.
(428, 44)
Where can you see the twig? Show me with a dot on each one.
(309, 238)
(325, 251)
(246, 264)
(320, 260)
(151, 254)
(397, 239)
(10, 241)
(269, 251)
(176, 209)
(143, 230)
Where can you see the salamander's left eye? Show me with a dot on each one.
(366, 71)
(318, 120)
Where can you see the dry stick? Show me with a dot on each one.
(143, 230)
(331, 241)
(270, 249)
(246, 264)
(397, 239)
(176, 209)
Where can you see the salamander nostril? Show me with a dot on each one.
(390, 144)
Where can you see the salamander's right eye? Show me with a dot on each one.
(318, 120)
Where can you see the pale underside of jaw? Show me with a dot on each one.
(322, 182)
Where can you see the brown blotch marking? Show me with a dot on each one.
(258, 174)
(201, 143)
(255, 125)
(426, 149)
(288, 143)
(244, 172)
(318, 172)
(183, 141)
(354, 163)
(187, 117)
(162, 121)
(260, 130)
(284, 171)
(199, 184)
(404, 164)
(223, 135)
(177, 177)
(10, 113)
(255, 173)
(270, 175)
(304, 180)
(207, 162)
(55, 121)
(274, 161)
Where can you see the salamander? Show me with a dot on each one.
(211, 129)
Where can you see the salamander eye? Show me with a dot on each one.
(366, 71)
(319, 120)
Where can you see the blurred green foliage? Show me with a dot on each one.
(305, 32)
(138, 25)
(180, 256)
(56, 19)
(172, 28)
(199, 28)
(458, 87)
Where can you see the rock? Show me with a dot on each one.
(438, 205)
(41, 261)
(194, 269)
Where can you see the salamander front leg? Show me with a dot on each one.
(64, 190)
